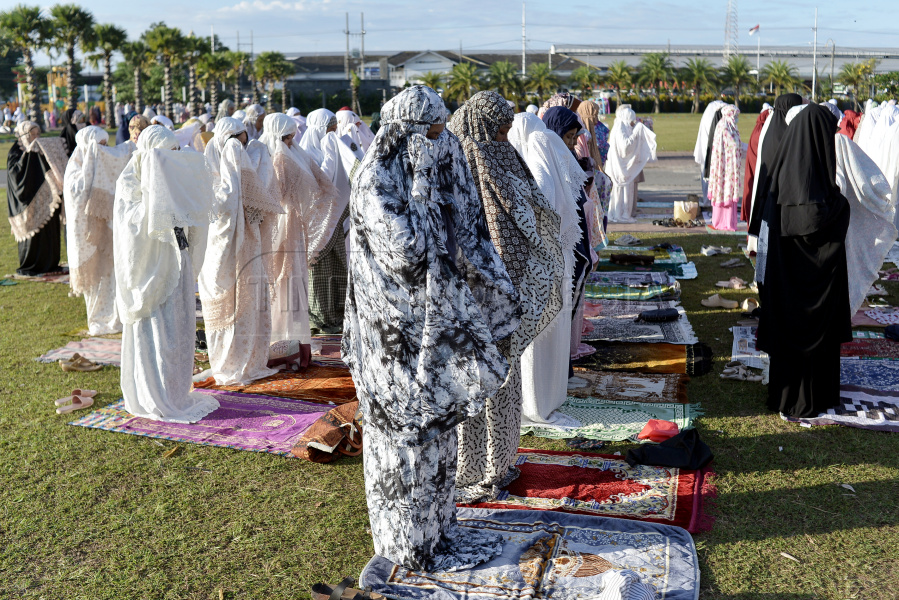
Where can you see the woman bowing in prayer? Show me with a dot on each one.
(309, 200)
(814, 266)
(525, 229)
(35, 169)
(233, 281)
(726, 171)
(544, 364)
(328, 270)
(163, 204)
(427, 301)
(90, 181)
(631, 146)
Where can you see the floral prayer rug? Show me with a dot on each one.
(632, 387)
(606, 485)
(552, 555)
(615, 421)
(103, 351)
(328, 384)
(614, 321)
(242, 422)
(859, 407)
(628, 285)
(875, 374)
(870, 348)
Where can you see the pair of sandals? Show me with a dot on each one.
(79, 364)
(343, 591)
(78, 400)
(717, 301)
(739, 372)
(672, 222)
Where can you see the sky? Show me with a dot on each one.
(310, 26)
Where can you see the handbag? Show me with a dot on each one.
(686, 210)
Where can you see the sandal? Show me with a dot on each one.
(717, 301)
(734, 262)
(76, 392)
(79, 364)
(734, 283)
(750, 304)
(77, 403)
(343, 591)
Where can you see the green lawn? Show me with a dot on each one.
(677, 131)
(89, 514)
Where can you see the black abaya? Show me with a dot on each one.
(805, 296)
(711, 141)
(69, 130)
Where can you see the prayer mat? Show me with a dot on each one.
(868, 335)
(103, 351)
(615, 421)
(554, 556)
(632, 387)
(242, 422)
(325, 441)
(694, 360)
(623, 285)
(326, 350)
(884, 316)
(81, 332)
(606, 485)
(672, 256)
(860, 319)
(60, 277)
(874, 374)
(859, 407)
(614, 321)
(332, 385)
(743, 348)
(872, 348)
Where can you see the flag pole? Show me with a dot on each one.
(758, 60)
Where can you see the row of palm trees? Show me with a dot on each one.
(66, 28)
(656, 70)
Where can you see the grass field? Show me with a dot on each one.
(89, 514)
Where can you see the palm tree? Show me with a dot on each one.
(193, 49)
(167, 44)
(621, 76)
(780, 74)
(541, 79)
(280, 72)
(655, 68)
(853, 76)
(25, 30)
(463, 82)
(211, 69)
(736, 73)
(698, 73)
(503, 77)
(432, 80)
(139, 58)
(71, 26)
(107, 39)
(237, 61)
(272, 67)
(584, 78)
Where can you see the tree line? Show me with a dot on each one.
(66, 27)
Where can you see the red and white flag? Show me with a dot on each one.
(754, 30)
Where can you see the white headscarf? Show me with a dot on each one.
(317, 123)
(159, 190)
(239, 115)
(23, 128)
(225, 129)
(164, 121)
(630, 147)
(705, 126)
(253, 112)
(349, 124)
(149, 113)
(532, 108)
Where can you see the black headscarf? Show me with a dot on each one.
(776, 128)
(25, 175)
(375, 122)
(561, 120)
(69, 129)
(710, 143)
(122, 135)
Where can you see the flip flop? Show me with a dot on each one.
(734, 283)
(76, 392)
(343, 591)
(79, 364)
(77, 404)
(717, 301)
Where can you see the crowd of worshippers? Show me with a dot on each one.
(450, 251)
(817, 188)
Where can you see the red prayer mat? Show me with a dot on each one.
(604, 484)
(870, 348)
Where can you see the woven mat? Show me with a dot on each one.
(103, 351)
(554, 556)
(641, 358)
(874, 374)
(606, 485)
(632, 387)
(625, 285)
(613, 321)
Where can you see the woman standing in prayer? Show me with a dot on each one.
(163, 203)
(255, 114)
(233, 281)
(349, 124)
(136, 126)
(751, 160)
(849, 124)
(121, 134)
(294, 113)
(525, 230)
(310, 217)
(89, 191)
(544, 364)
(631, 146)
(34, 184)
(726, 171)
(594, 143)
(710, 117)
(427, 301)
(328, 271)
(808, 297)
(72, 122)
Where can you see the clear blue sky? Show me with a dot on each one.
(316, 25)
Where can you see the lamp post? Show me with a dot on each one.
(833, 51)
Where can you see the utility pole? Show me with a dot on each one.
(212, 39)
(346, 56)
(523, 42)
(815, 60)
(362, 53)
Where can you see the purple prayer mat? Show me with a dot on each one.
(242, 422)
